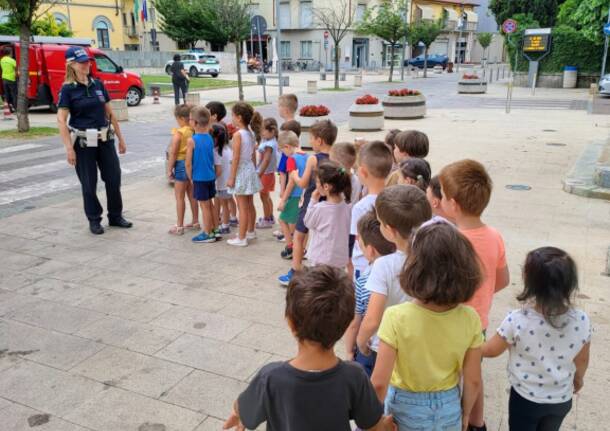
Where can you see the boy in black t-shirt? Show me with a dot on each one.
(315, 390)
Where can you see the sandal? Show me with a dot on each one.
(195, 226)
(176, 230)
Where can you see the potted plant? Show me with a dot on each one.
(366, 114)
(404, 104)
(472, 84)
(308, 115)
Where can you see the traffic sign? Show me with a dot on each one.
(607, 29)
(509, 26)
(258, 24)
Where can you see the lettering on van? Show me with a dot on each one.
(112, 82)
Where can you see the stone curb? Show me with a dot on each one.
(590, 176)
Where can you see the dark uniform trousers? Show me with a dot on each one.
(87, 161)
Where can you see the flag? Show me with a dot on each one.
(136, 9)
(144, 13)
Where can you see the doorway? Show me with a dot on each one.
(360, 48)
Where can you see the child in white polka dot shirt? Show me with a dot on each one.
(548, 342)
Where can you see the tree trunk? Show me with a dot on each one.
(240, 86)
(23, 122)
(336, 66)
(391, 62)
(426, 62)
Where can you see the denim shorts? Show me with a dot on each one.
(180, 171)
(430, 411)
(367, 362)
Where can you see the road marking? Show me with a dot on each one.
(28, 171)
(16, 148)
(32, 156)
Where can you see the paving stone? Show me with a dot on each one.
(201, 298)
(254, 287)
(210, 424)
(257, 311)
(125, 283)
(59, 291)
(15, 280)
(51, 315)
(129, 334)
(118, 410)
(132, 371)
(19, 261)
(267, 338)
(213, 356)
(125, 306)
(201, 323)
(207, 393)
(11, 302)
(45, 388)
(18, 418)
(63, 270)
(72, 255)
(51, 348)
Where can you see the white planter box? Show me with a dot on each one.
(366, 117)
(472, 86)
(312, 87)
(306, 123)
(404, 108)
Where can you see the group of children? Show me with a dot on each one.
(400, 265)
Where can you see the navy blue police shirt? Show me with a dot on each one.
(86, 104)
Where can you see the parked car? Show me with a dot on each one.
(604, 85)
(197, 63)
(47, 70)
(433, 60)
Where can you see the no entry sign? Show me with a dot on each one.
(509, 26)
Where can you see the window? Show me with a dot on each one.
(306, 49)
(104, 64)
(124, 19)
(60, 18)
(360, 9)
(103, 38)
(285, 49)
(254, 9)
(285, 15)
(306, 14)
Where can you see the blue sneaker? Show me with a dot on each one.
(225, 230)
(204, 237)
(285, 279)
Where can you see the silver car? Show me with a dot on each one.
(604, 85)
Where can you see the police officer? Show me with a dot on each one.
(88, 136)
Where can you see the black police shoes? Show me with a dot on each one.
(120, 222)
(96, 228)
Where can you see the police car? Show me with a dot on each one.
(197, 63)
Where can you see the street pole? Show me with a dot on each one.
(69, 16)
(279, 44)
(404, 46)
(605, 51)
(260, 48)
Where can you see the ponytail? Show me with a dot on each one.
(256, 125)
(337, 177)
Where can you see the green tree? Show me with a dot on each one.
(387, 22)
(48, 26)
(543, 11)
(586, 16)
(24, 14)
(484, 40)
(425, 32)
(181, 20)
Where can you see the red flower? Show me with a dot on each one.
(466, 76)
(403, 92)
(314, 111)
(367, 100)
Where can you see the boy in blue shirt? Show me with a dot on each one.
(202, 167)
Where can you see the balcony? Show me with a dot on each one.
(130, 31)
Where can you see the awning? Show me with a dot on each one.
(472, 16)
(452, 15)
(426, 12)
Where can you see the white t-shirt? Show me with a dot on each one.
(356, 190)
(384, 280)
(363, 206)
(541, 357)
(225, 164)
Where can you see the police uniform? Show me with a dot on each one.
(86, 104)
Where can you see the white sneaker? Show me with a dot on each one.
(238, 242)
(277, 233)
(251, 235)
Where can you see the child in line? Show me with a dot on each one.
(390, 141)
(202, 167)
(176, 170)
(466, 189)
(289, 202)
(415, 172)
(400, 209)
(267, 164)
(287, 105)
(322, 136)
(374, 166)
(373, 245)
(434, 195)
(222, 200)
(315, 390)
(243, 181)
(548, 342)
(218, 112)
(328, 220)
(408, 144)
(345, 154)
(427, 344)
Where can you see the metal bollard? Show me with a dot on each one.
(498, 73)
(491, 75)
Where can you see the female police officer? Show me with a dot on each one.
(89, 139)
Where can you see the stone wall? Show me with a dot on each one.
(554, 80)
(156, 59)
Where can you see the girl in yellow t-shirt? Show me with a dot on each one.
(176, 170)
(427, 344)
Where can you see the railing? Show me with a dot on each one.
(130, 31)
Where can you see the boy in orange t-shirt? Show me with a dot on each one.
(466, 189)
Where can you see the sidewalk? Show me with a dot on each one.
(140, 330)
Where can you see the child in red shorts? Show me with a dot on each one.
(267, 165)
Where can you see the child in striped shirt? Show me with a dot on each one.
(373, 245)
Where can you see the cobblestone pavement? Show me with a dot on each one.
(138, 330)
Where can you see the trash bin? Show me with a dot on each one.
(570, 75)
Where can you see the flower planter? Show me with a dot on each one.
(306, 123)
(472, 86)
(366, 117)
(404, 107)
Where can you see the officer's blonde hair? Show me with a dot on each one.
(70, 73)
